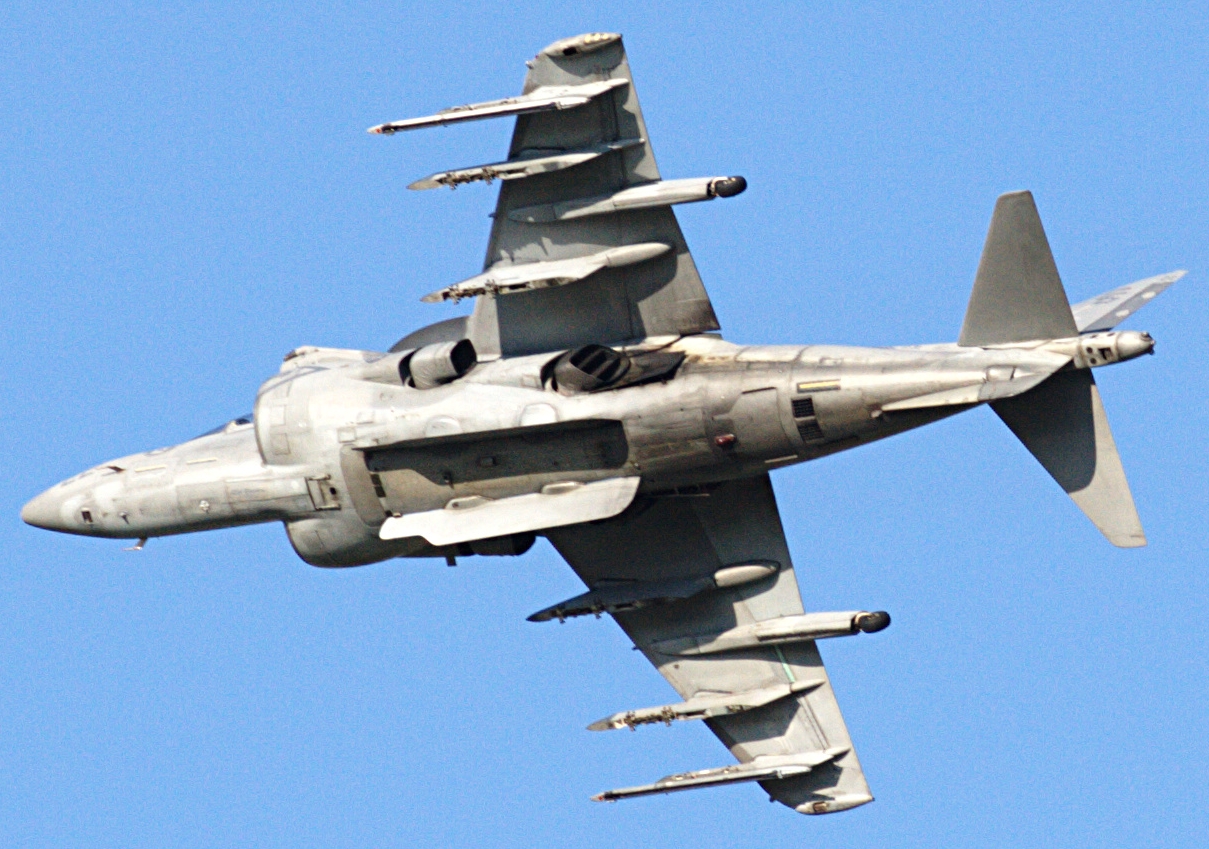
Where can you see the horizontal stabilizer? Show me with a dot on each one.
(632, 595)
(1063, 423)
(474, 517)
(704, 707)
(522, 166)
(1017, 295)
(783, 629)
(541, 99)
(1104, 312)
(505, 279)
(646, 196)
(765, 768)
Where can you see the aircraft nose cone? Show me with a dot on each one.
(45, 512)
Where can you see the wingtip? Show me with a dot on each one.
(842, 802)
(1129, 541)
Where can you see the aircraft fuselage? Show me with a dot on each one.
(339, 442)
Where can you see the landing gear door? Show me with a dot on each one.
(324, 495)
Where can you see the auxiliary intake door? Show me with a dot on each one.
(324, 494)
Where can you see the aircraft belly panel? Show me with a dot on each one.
(474, 518)
(427, 474)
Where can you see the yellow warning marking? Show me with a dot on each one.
(818, 386)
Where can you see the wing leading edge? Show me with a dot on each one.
(763, 689)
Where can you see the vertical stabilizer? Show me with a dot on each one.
(1063, 423)
(1017, 294)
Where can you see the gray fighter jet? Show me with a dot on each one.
(589, 399)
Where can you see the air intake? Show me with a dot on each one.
(443, 362)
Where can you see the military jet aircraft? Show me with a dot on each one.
(590, 399)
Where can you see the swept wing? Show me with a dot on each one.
(579, 189)
(585, 249)
(769, 701)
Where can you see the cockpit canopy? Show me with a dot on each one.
(234, 424)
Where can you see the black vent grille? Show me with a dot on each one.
(810, 430)
(379, 490)
(808, 425)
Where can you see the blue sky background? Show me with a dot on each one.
(187, 192)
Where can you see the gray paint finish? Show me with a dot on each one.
(1017, 295)
(662, 297)
(603, 413)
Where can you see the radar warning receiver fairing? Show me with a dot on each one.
(589, 399)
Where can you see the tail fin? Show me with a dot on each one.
(1018, 297)
(1017, 294)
